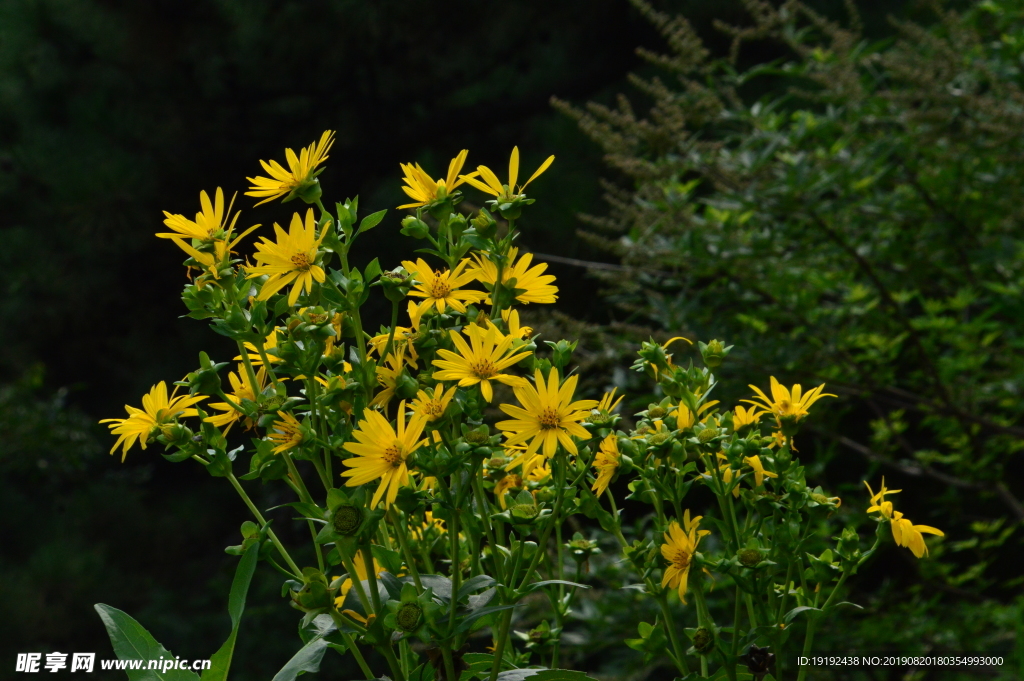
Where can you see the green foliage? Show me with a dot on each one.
(849, 213)
(131, 641)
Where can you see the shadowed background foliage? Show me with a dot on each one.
(112, 111)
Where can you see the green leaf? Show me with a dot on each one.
(542, 675)
(468, 621)
(306, 660)
(797, 611)
(131, 641)
(371, 221)
(373, 270)
(474, 584)
(220, 661)
(536, 585)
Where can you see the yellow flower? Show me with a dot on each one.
(539, 472)
(531, 286)
(479, 361)
(746, 417)
(685, 418)
(291, 260)
(441, 289)
(210, 223)
(301, 171)
(404, 339)
(493, 186)
(908, 534)
(287, 433)
(608, 402)
(362, 575)
(904, 532)
(759, 471)
(678, 549)
(387, 377)
(878, 502)
(430, 522)
(511, 319)
(548, 415)
(422, 189)
(157, 411)
(518, 456)
(210, 227)
(606, 462)
(242, 389)
(381, 452)
(510, 481)
(432, 405)
(727, 476)
(785, 404)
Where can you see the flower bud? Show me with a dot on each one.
(703, 640)
(347, 519)
(408, 616)
(414, 227)
(749, 557)
(714, 352)
(396, 284)
(484, 224)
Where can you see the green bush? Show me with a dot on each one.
(850, 214)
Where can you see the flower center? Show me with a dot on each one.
(433, 409)
(549, 418)
(483, 368)
(301, 261)
(440, 288)
(681, 559)
(393, 454)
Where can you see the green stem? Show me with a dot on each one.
(371, 577)
(320, 427)
(673, 637)
(409, 559)
(357, 583)
(263, 524)
(389, 655)
(499, 646)
(485, 512)
(449, 663)
(304, 494)
(350, 644)
(391, 334)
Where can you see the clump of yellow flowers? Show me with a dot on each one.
(437, 460)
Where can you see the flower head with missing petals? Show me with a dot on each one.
(531, 285)
(904, 532)
(508, 191)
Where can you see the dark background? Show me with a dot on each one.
(112, 111)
